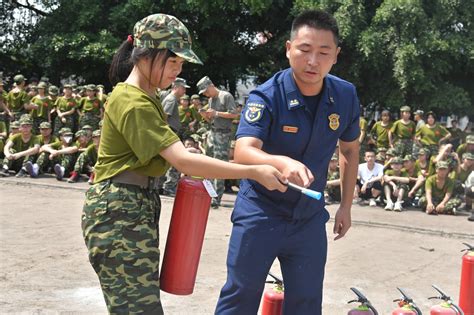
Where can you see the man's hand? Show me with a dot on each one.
(440, 207)
(363, 188)
(430, 208)
(296, 172)
(342, 222)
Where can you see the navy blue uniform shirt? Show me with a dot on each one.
(276, 113)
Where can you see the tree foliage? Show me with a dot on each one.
(397, 52)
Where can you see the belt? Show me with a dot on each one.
(133, 178)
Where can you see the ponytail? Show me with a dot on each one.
(121, 63)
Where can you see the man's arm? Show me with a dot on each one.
(248, 150)
(348, 166)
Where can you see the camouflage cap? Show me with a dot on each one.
(419, 112)
(382, 149)
(86, 127)
(405, 109)
(196, 137)
(164, 31)
(42, 85)
(45, 125)
(180, 82)
(80, 133)
(91, 87)
(396, 160)
(44, 79)
(19, 78)
(422, 152)
(203, 84)
(470, 139)
(96, 133)
(100, 86)
(334, 157)
(67, 86)
(195, 96)
(379, 157)
(53, 90)
(25, 120)
(408, 157)
(442, 164)
(185, 97)
(65, 131)
(32, 88)
(14, 125)
(468, 156)
(391, 151)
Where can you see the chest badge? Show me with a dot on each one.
(333, 121)
(294, 103)
(254, 112)
(290, 129)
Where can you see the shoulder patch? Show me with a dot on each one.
(254, 112)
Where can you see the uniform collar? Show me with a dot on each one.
(294, 97)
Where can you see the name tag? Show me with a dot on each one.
(290, 129)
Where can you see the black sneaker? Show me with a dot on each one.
(21, 173)
(4, 172)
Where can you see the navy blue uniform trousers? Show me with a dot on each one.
(257, 239)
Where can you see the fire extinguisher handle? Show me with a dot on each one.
(469, 247)
(277, 280)
(458, 309)
(417, 310)
(372, 309)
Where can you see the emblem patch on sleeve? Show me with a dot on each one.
(333, 121)
(254, 112)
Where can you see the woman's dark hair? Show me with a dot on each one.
(127, 56)
(428, 114)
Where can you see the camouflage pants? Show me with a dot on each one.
(171, 182)
(58, 124)
(403, 147)
(120, 229)
(91, 120)
(218, 148)
(83, 164)
(65, 160)
(36, 124)
(16, 165)
(452, 203)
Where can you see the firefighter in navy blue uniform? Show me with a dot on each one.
(293, 122)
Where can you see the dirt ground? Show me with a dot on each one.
(44, 267)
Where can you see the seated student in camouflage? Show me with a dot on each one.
(65, 110)
(460, 173)
(402, 133)
(91, 108)
(439, 198)
(60, 154)
(83, 141)
(466, 147)
(445, 154)
(19, 148)
(40, 106)
(3, 137)
(389, 155)
(45, 137)
(395, 184)
(431, 135)
(88, 129)
(86, 160)
(120, 219)
(14, 128)
(333, 184)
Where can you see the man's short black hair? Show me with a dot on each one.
(317, 19)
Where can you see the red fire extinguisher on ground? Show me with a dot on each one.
(364, 308)
(406, 305)
(466, 294)
(447, 307)
(273, 297)
(185, 237)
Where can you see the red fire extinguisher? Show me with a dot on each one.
(364, 308)
(185, 237)
(447, 307)
(273, 297)
(466, 294)
(406, 305)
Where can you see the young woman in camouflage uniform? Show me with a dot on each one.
(402, 133)
(41, 106)
(91, 107)
(65, 108)
(121, 211)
